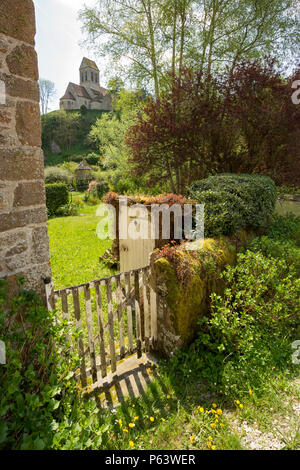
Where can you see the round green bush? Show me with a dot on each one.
(234, 201)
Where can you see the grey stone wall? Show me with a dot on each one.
(24, 246)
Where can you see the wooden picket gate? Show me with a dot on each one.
(117, 317)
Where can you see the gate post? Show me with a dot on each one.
(164, 339)
(49, 293)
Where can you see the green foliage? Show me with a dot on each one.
(98, 188)
(40, 406)
(57, 195)
(251, 327)
(69, 129)
(58, 175)
(234, 201)
(285, 228)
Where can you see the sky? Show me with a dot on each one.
(57, 43)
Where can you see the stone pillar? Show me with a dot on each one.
(24, 247)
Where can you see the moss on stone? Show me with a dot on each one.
(187, 304)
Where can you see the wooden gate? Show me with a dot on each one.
(116, 316)
(135, 254)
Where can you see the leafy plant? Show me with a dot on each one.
(57, 195)
(233, 202)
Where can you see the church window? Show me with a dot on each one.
(86, 76)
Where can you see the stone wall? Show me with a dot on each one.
(183, 300)
(23, 234)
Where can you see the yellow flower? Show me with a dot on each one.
(136, 418)
(209, 444)
(125, 430)
(133, 406)
(168, 397)
(200, 409)
(131, 443)
(213, 411)
(120, 422)
(241, 405)
(213, 448)
(163, 420)
(151, 419)
(222, 425)
(192, 439)
(214, 405)
(210, 438)
(213, 425)
(237, 402)
(131, 425)
(219, 411)
(250, 391)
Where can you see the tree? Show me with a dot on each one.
(47, 93)
(147, 38)
(242, 122)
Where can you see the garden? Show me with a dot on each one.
(216, 125)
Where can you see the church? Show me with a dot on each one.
(89, 93)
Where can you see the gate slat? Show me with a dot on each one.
(89, 322)
(153, 309)
(129, 312)
(120, 317)
(80, 341)
(137, 314)
(101, 330)
(65, 310)
(147, 316)
(111, 326)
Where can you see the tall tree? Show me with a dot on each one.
(47, 93)
(147, 38)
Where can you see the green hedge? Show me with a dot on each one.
(57, 195)
(233, 202)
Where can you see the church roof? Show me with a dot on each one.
(80, 91)
(68, 96)
(89, 63)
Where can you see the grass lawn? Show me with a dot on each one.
(75, 248)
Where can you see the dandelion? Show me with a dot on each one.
(250, 392)
(136, 418)
(168, 397)
(213, 448)
(241, 405)
(151, 419)
(125, 430)
(214, 405)
(201, 409)
(213, 411)
(131, 443)
(237, 402)
(120, 423)
(209, 444)
(133, 406)
(210, 438)
(222, 425)
(163, 420)
(192, 439)
(219, 411)
(131, 425)
(213, 425)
